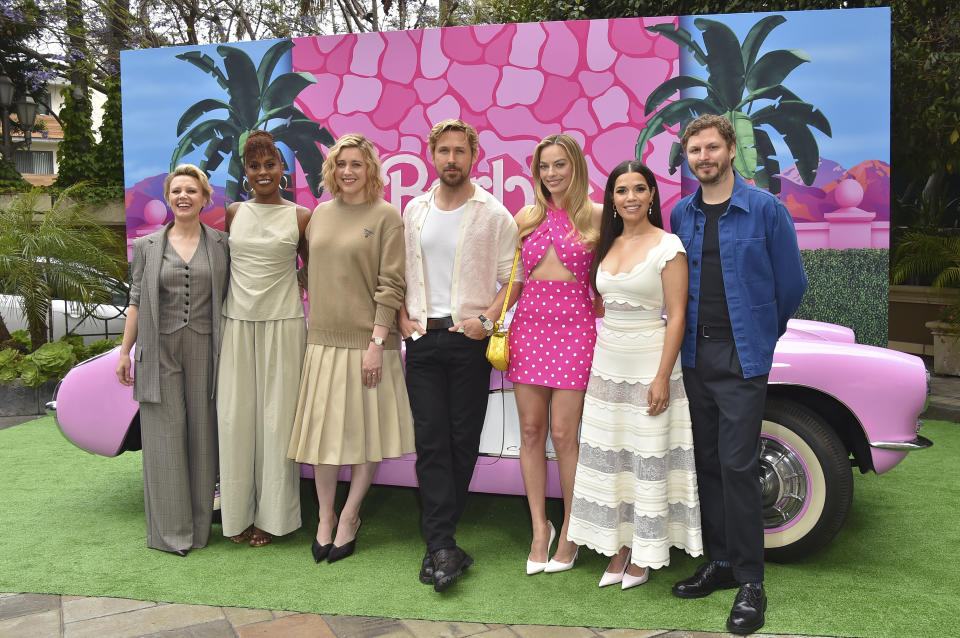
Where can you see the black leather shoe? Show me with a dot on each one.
(747, 614)
(179, 552)
(448, 564)
(426, 569)
(320, 551)
(709, 578)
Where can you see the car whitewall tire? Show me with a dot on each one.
(806, 481)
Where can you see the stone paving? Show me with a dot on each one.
(55, 616)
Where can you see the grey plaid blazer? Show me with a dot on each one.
(145, 275)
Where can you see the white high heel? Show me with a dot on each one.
(533, 567)
(629, 580)
(612, 578)
(555, 566)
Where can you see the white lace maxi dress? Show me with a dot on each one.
(636, 483)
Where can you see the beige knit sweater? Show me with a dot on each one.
(355, 272)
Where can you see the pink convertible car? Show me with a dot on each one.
(831, 405)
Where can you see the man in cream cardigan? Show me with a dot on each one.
(460, 244)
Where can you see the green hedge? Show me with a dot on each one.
(848, 287)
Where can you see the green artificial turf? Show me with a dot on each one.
(72, 523)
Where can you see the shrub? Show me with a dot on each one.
(848, 287)
(51, 360)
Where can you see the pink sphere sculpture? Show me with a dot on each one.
(155, 212)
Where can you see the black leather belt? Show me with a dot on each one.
(714, 333)
(440, 323)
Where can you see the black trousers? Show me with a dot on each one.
(726, 411)
(448, 380)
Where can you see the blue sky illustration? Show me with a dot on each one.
(848, 77)
(157, 88)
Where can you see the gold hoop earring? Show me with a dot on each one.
(284, 182)
(245, 185)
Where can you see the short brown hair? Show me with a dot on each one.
(374, 185)
(702, 123)
(188, 170)
(454, 125)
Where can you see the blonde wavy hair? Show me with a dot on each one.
(577, 204)
(188, 170)
(374, 184)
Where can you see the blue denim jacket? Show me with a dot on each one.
(762, 273)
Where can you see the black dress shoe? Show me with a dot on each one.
(448, 564)
(747, 614)
(178, 552)
(426, 569)
(709, 578)
(320, 551)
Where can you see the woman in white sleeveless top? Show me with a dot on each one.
(264, 336)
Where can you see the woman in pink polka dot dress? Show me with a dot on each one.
(553, 334)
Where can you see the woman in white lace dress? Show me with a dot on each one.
(635, 492)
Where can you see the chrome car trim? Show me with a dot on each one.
(51, 408)
(919, 443)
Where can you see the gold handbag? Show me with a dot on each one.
(498, 348)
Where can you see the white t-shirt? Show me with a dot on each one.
(438, 242)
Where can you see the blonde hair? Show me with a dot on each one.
(374, 183)
(188, 170)
(454, 125)
(576, 202)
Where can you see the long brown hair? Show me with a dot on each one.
(576, 201)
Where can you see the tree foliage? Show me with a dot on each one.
(60, 254)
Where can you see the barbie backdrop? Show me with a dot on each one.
(810, 103)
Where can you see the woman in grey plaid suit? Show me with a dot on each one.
(178, 280)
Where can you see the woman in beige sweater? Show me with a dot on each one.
(353, 408)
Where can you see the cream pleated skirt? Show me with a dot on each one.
(339, 421)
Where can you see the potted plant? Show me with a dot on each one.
(922, 256)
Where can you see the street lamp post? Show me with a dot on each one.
(6, 99)
(26, 114)
(26, 110)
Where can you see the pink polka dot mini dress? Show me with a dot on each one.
(554, 329)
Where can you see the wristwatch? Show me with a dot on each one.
(377, 341)
(486, 322)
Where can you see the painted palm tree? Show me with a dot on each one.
(737, 82)
(255, 101)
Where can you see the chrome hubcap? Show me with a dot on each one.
(783, 483)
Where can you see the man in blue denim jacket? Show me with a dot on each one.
(746, 281)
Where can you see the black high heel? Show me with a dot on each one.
(342, 551)
(320, 551)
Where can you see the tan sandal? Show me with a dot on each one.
(243, 536)
(259, 538)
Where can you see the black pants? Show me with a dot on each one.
(448, 380)
(726, 411)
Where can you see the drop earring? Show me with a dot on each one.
(614, 213)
